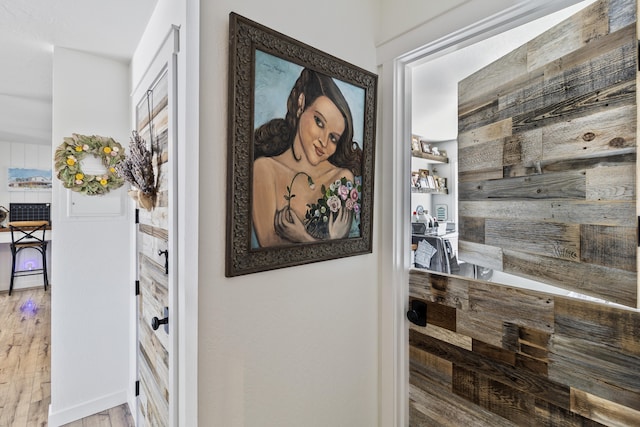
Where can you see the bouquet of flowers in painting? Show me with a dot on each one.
(342, 194)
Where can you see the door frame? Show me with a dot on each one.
(396, 58)
(164, 61)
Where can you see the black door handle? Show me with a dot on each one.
(155, 322)
(166, 260)
(417, 313)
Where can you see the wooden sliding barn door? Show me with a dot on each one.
(156, 254)
(547, 157)
(547, 190)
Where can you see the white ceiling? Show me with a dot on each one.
(29, 29)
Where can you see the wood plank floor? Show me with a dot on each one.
(25, 384)
(114, 417)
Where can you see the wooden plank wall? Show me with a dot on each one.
(153, 236)
(493, 355)
(547, 157)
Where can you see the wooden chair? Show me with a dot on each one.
(28, 235)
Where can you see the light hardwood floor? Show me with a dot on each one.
(25, 384)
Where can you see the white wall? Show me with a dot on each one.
(21, 155)
(295, 346)
(90, 287)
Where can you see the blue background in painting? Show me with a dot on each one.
(21, 173)
(274, 79)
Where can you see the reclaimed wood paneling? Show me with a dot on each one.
(547, 156)
(485, 255)
(568, 185)
(154, 346)
(520, 357)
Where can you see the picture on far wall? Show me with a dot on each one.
(24, 179)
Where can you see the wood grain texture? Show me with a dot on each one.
(549, 239)
(547, 155)
(604, 133)
(471, 227)
(484, 255)
(568, 36)
(613, 213)
(586, 279)
(119, 416)
(517, 379)
(448, 291)
(611, 183)
(595, 348)
(25, 384)
(493, 395)
(535, 359)
(152, 238)
(603, 411)
(563, 185)
(491, 306)
(452, 411)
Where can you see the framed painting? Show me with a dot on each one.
(24, 179)
(301, 145)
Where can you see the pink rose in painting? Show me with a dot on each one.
(334, 203)
(354, 194)
(349, 204)
(343, 192)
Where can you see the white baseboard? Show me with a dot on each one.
(133, 401)
(74, 413)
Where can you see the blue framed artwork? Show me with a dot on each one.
(25, 179)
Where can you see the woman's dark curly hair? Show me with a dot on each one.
(277, 135)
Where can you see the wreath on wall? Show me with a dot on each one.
(68, 163)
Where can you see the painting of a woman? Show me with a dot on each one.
(306, 168)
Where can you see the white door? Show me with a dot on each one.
(155, 250)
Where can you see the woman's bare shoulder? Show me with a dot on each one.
(274, 165)
(266, 164)
(339, 173)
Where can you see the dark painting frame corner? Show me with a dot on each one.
(263, 63)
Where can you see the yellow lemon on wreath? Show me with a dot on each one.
(71, 161)
(103, 182)
(107, 150)
(79, 176)
(78, 148)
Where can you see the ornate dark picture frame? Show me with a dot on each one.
(258, 57)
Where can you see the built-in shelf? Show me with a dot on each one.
(430, 157)
(428, 191)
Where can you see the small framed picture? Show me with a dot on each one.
(442, 183)
(436, 181)
(442, 212)
(415, 179)
(426, 147)
(415, 143)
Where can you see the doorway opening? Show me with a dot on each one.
(405, 115)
